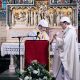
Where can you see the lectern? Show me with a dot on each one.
(37, 50)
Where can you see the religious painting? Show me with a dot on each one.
(29, 2)
(22, 15)
(4, 2)
(52, 2)
(19, 15)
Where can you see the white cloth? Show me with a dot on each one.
(32, 33)
(56, 59)
(12, 49)
(43, 23)
(65, 18)
(41, 36)
(68, 53)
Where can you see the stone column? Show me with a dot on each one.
(11, 66)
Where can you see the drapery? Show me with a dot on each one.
(36, 50)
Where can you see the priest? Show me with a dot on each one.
(40, 31)
(66, 56)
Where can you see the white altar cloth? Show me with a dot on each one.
(12, 49)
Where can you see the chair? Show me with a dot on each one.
(37, 50)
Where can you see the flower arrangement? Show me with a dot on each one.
(34, 71)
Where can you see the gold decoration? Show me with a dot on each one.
(33, 14)
(64, 11)
(69, 11)
(58, 10)
(50, 10)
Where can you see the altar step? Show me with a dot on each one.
(6, 75)
(10, 76)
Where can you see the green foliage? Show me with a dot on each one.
(34, 71)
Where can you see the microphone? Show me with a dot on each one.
(17, 37)
(28, 36)
(38, 35)
(25, 36)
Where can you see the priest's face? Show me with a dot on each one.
(44, 28)
(41, 28)
(63, 25)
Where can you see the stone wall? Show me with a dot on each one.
(2, 32)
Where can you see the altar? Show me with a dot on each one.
(13, 49)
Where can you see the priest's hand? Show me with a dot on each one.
(54, 37)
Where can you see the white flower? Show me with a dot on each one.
(30, 68)
(45, 77)
(40, 79)
(22, 71)
(20, 79)
(34, 61)
(30, 78)
(26, 78)
(35, 71)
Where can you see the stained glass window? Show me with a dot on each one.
(0, 4)
(61, 1)
(2, 15)
(4, 2)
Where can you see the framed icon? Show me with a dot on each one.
(19, 15)
(52, 2)
(29, 2)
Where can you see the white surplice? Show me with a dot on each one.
(42, 35)
(68, 55)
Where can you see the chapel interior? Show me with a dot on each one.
(17, 18)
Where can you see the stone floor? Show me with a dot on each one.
(4, 73)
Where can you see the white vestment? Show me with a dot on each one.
(68, 54)
(41, 36)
